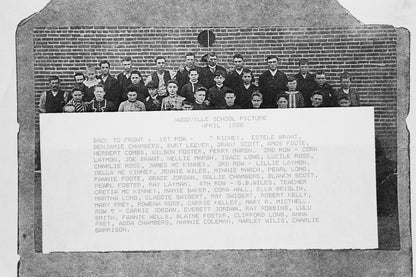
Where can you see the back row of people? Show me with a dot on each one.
(216, 82)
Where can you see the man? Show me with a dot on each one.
(110, 83)
(305, 80)
(199, 97)
(325, 88)
(234, 77)
(207, 74)
(182, 75)
(123, 78)
(272, 82)
(161, 76)
(53, 100)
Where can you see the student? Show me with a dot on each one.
(282, 101)
(207, 73)
(137, 86)
(344, 101)
(305, 79)
(272, 82)
(161, 76)
(53, 100)
(153, 102)
(324, 87)
(199, 102)
(79, 79)
(188, 90)
(215, 95)
(229, 98)
(317, 99)
(256, 100)
(295, 98)
(245, 89)
(99, 104)
(173, 101)
(76, 104)
(123, 78)
(186, 105)
(110, 83)
(132, 104)
(346, 90)
(182, 75)
(235, 77)
(90, 83)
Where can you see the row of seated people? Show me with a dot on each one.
(298, 88)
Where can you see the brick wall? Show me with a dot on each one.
(367, 52)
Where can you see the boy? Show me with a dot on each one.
(138, 87)
(324, 87)
(345, 90)
(161, 76)
(256, 100)
(123, 78)
(216, 93)
(207, 74)
(317, 99)
(343, 101)
(154, 101)
(76, 101)
(131, 104)
(229, 98)
(305, 80)
(99, 104)
(186, 105)
(282, 101)
(245, 89)
(272, 82)
(188, 90)
(53, 100)
(234, 77)
(182, 75)
(173, 101)
(110, 83)
(295, 98)
(199, 97)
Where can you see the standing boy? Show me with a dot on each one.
(324, 87)
(182, 75)
(245, 89)
(207, 74)
(110, 83)
(161, 76)
(272, 82)
(295, 98)
(188, 90)
(347, 91)
(137, 86)
(173, 101)
(216, 93)
(305, 80)
(235, 77)
(53, 100)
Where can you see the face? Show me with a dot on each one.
(77, 96)
(54, 84)
(105, 69)
(152, 91)
(186, 107)
(199, 97)
(132, 96)
(282, 103)
(189, 61)
(304, 68)
(160, 64)
(126, 66)
(246, 78)
(320, 79)
(172, 89)
(212, 61)
(229, 99)
(91, 74)
(135, 79)
(219, 80)
(292, 85)
(344, 103)
(99, 93)
(193, 76)
(79, 79)
(317, 100)
(238, 63)
(272, 63)
(256, 101)
(345, 83)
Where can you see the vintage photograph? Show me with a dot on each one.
(88, 67)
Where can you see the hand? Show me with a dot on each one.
(181, 68)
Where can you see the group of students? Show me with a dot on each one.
(196, 88)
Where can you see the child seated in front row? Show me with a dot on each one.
(75, 105)
(173, 101)
(131, 104)
(295, 98)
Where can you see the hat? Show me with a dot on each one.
(151, 85)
